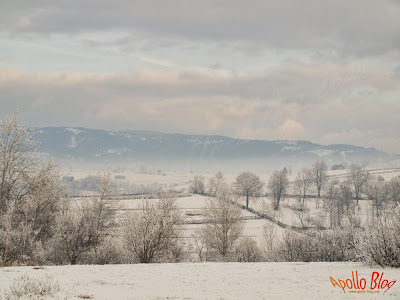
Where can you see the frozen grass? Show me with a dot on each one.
(206, 280)
(29, 287)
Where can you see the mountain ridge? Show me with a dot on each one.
(81, 143)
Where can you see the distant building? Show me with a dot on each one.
(119, 177)
(68, 178)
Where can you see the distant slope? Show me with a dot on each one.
(99, 145)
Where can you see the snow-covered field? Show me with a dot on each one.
(287, 216)
(181, 180)
(207, 281)
(192, 210)
(191, 206)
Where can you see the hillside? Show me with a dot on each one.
(144, 146)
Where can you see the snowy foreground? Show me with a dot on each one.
(206, 281)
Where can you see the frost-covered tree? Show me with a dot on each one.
(320, 176)
(198, 186)
(378, 192)
(247, 250)
(394, 189)
(331, 205)
(76, 233)
(30, 193)
(82, 227)
(278, 185)
(150, 233)
(301, 211)
(105, 205)
(359, 178)
(223, 226)
(380, 244)
(302, 183)
(215, 181)
(338, 203)
(248, 185)
(200, 246)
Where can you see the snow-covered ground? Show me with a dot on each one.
(207, 281)
(287, 216)
(192, 210)
(191, 206)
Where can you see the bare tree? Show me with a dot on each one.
(105, 185)
(303, 183)
(394, 189)
(331, 204)
(380, 244)
(200, 245)
(105, 205)
(223, 228)
(320, 176)
(301, 211)
(214, 183)
(248, 185)
(30, 192)
(359, 177)
(278, 184)
(345, 200)
(18, 165)
(269, 236)
(84, 226)
(76, 234)
(198, 186)
(338, 203)
(150, 234)
(379, 193)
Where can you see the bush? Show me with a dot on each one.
(151, 233)
(295, 247)
(248, 251)
(380, 244)
(26, 287)
(334, 245)
(108, 252)
(198, 186)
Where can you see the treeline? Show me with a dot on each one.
(337, 201)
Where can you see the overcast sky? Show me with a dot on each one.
(323, 71)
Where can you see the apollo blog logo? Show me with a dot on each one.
(355, 284)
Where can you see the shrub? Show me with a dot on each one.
(248, 251)
(333, 245)
(150, 234)
(380, 244)
(26, 287)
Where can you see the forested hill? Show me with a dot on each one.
(94, 145)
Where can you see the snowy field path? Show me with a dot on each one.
(207, 280)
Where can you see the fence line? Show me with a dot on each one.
(205, 221)
(273, 220)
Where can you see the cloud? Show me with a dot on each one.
(359, 27)
(352, 136)
(325, 71)
(291, 130)
(291, 102)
